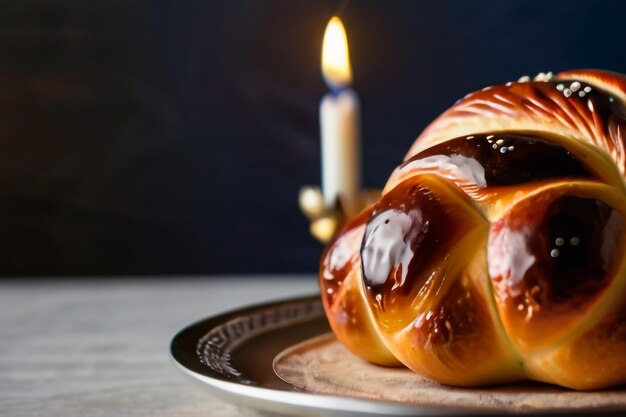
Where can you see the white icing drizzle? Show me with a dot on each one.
(390, 236)
(509, 258)
(344, 249)
(461, 167)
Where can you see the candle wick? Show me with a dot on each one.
(336, 90)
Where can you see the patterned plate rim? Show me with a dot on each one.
(204, 349)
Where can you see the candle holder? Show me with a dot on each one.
(326, 220)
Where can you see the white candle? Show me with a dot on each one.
(339, 124)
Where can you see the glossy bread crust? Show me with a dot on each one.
(496, 252)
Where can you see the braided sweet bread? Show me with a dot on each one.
(496, 252)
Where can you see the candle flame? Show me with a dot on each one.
(335, 58)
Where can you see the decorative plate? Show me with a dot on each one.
(239, 356)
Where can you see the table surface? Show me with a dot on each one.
(99, 347)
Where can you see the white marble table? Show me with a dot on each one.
(96, 347)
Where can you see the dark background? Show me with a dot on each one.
(173, 137)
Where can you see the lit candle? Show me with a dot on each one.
(339, 123)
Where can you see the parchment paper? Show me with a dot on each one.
(323, 365)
